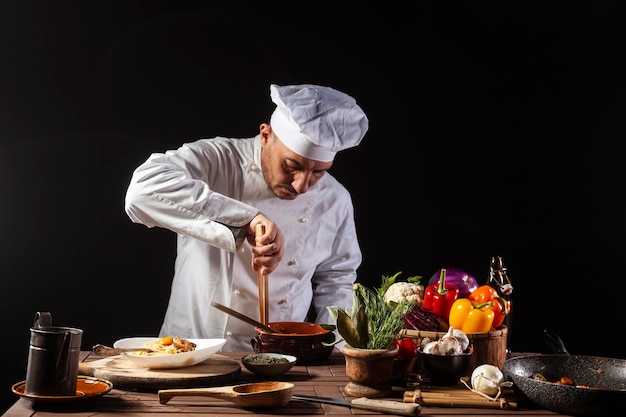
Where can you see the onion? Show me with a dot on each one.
(459, 278)
(487, 379)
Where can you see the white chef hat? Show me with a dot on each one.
(315, 121)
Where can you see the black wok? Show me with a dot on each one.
(605, 377)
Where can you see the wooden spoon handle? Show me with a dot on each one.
(262, 283)
(247, 319)
(106, 350)
(225, 393)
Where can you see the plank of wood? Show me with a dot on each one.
(217, 370)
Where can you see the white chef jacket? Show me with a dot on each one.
(204, 191)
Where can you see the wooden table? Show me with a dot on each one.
(325, 380)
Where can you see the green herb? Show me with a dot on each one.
(372, 323)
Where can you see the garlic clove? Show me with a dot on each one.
(430, 348)
(462, 338)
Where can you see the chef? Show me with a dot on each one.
(213, 192)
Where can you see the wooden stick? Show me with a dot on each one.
(450, 398)
(262, 283)
(464, 402)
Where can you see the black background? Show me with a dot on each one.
(496, 128)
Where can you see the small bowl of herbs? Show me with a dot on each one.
(268, 364)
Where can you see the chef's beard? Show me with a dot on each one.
(285, 192)
(280, 190)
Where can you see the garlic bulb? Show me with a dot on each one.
(487, 379)
(452, 343)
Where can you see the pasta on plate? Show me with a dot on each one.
(167, 346)
(169, 352)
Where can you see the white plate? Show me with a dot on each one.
(205, 348)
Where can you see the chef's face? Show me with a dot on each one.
(287, 173)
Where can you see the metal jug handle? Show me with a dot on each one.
(42, 319)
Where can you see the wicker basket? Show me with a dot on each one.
(489, 347)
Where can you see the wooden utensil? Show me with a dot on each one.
(241, 317)
(107, 350)
(262, 283)
(363, 403)
(268, 394)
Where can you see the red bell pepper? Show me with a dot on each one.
(500, 307)
(438, 298)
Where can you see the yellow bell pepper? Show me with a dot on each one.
(471, 317)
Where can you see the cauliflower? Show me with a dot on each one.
(401, 291)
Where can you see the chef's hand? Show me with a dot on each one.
(267, 249)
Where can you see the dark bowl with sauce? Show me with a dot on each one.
(308, 342)
(268, 364)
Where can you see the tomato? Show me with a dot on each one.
(407, 348)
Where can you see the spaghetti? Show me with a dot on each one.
(167, 346)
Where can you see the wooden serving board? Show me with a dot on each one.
(216, 371)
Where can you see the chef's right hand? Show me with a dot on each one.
(267, 249)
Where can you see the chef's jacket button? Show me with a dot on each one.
(292, 262)
(253, 168)
(303, 220)
(236, 292)
(229, 333)
(283, 300)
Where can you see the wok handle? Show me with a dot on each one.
(554, 342)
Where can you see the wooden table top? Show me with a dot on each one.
(326, 380)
